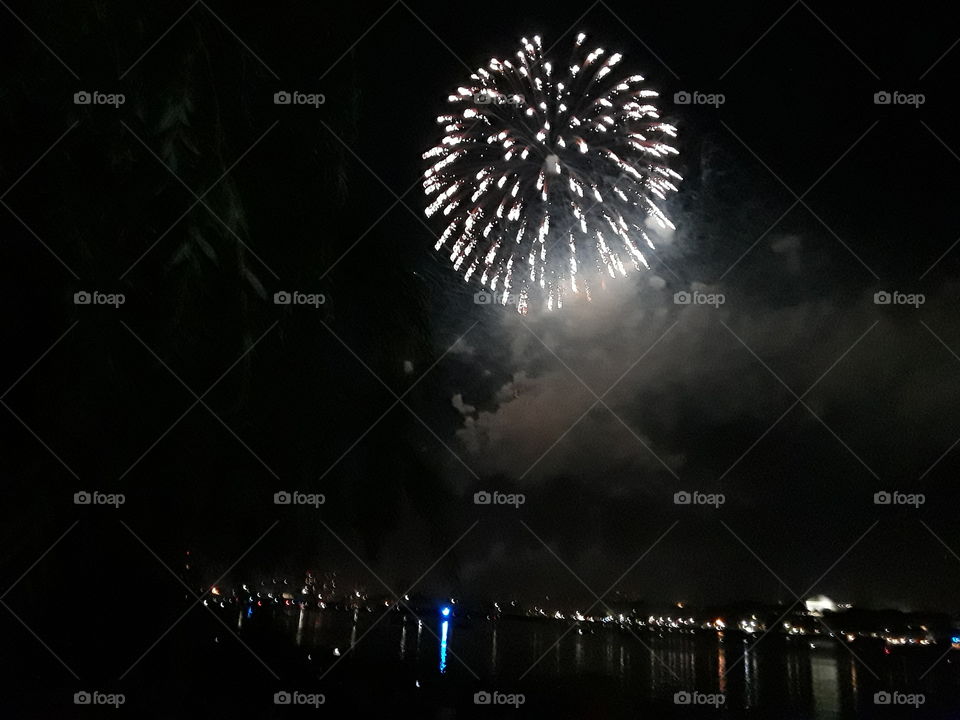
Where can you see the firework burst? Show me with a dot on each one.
(547, 175)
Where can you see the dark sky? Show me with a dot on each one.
(711, 406)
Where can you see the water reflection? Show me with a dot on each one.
(721, 666)
(796, 679)
(816, 683)
(826, 683)
(443, 645)
(300, 621)
(750, 676)
(855, 684)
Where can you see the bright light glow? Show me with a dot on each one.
(818, 603)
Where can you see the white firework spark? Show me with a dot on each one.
(546, 175)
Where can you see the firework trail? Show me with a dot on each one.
(546, 175)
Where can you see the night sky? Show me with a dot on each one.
(400, 397)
